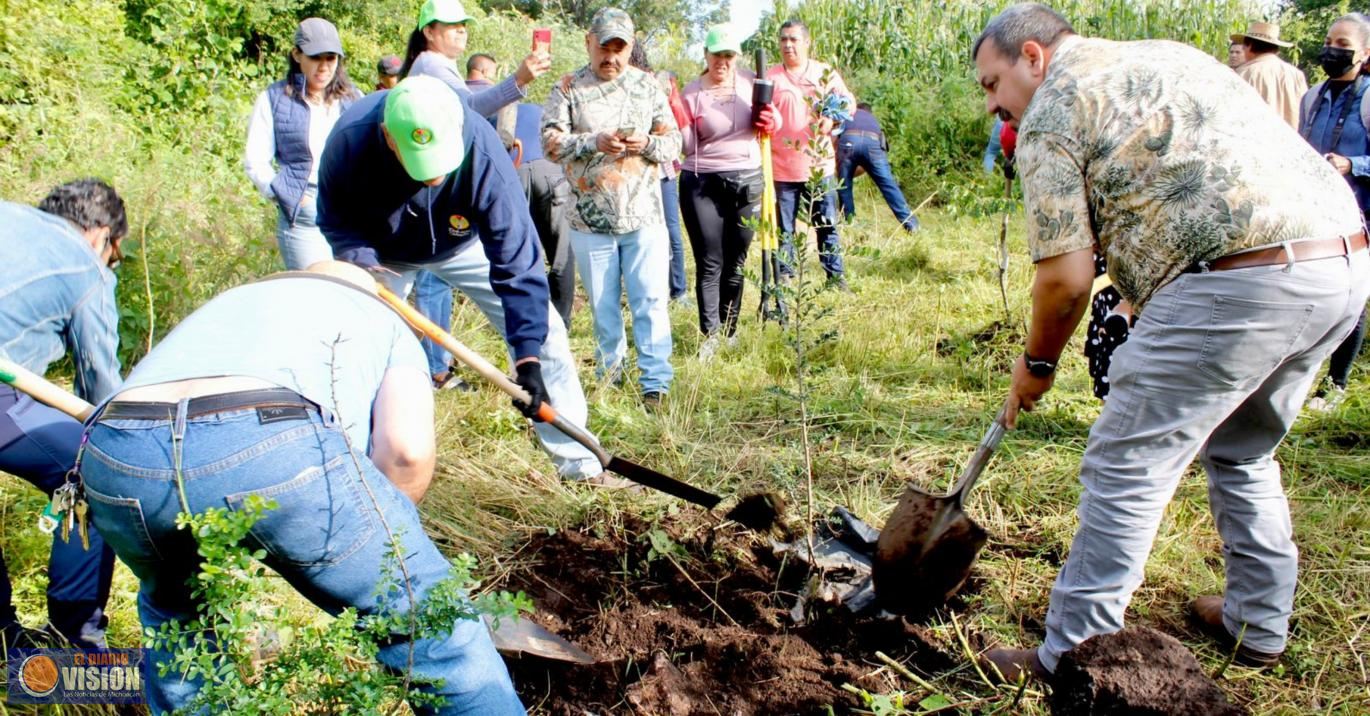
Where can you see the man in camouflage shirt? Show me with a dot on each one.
(1244, 253)
(608, 124)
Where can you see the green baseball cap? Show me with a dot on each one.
(424, 117)
(451, 12)
(722, 38)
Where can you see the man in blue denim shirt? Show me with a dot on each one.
(59, 296)
(326, 410)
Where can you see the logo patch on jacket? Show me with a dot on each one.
(460, 226)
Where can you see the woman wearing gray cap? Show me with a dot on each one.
(286, 134)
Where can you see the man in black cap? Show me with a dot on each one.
(388, 72)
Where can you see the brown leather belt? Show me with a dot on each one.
(1308, 250)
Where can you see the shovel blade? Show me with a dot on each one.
(924, 553)
(517, 637)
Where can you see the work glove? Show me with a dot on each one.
(768, 120)
(529, 377)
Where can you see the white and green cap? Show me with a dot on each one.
(722, 38)
(423, 116)
(451, 12)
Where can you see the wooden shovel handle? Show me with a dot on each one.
(43, 390)
(489, 372)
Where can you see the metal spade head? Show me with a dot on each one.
(929, 543)
(516, 637)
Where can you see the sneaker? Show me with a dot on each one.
(1328, 396)
(451, 381)
(651, 400)
(708, 348)
(1206, 613)
(610, 481)
(837, 283)
(734, 341)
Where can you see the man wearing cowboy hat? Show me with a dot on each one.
(1281, 84)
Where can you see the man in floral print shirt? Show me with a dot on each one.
(609, 125)
(1244, 254)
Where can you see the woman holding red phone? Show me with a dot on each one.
(439, 41)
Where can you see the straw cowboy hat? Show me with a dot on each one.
(1264, 32)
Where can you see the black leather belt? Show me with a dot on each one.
(1307, 250)
(209, 404)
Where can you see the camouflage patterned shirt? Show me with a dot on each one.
(1161, 156)
(615, 193)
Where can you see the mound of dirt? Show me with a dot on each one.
(694, 620)
(1137, 671)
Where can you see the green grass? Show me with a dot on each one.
(888, 408)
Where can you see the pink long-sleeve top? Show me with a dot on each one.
(719, 136)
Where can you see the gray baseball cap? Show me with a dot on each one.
(316, 36)
(611, 23)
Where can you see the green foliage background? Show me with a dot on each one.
(153, 95)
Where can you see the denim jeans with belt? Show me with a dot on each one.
(433, 297)
(861, 150)
(1218, 366)
(327, 537)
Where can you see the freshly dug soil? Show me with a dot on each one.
(1137, 671)
(693, 619)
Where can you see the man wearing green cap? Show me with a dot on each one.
(610, 127)
(412, 179)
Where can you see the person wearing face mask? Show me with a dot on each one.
(286, 133)
(1334, 116)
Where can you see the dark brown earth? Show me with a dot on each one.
(925, 553)
(1137, 671)
(693, 619)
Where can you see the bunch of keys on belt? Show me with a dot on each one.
(67, 509)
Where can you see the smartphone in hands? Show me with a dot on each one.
(542, 40)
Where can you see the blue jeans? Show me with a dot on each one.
(865, 152)
(301, 243)
(1217, 366)
(670, 207)
(39, 445)
(433, 297)
(326, 537)
(635, 262)
(820, 214)
(468, 271)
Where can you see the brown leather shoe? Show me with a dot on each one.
(1013, 665)
(1207, 614)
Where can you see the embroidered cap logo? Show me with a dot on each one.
(421, 136)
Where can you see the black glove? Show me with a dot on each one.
(529, 377)
(1009, 171)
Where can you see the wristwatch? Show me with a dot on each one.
(1039, 367)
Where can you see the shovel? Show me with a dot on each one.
(926, 549)
(514, 637)
(637, 473)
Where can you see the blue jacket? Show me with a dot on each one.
(56, 296)
(371, 212)
(290, 119)
(1354, 143)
